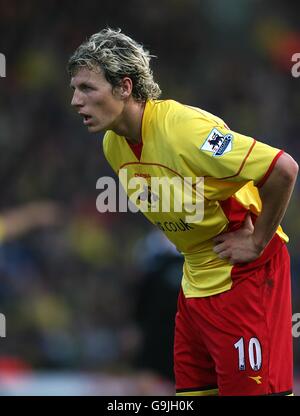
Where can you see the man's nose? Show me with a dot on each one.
(76, 99)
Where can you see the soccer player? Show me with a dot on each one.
(233, 324)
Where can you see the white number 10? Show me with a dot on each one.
(254, 351)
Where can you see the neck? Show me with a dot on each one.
(130, 122)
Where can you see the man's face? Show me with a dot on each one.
(95, 101)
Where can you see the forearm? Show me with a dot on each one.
(19, 220)
(275, 195)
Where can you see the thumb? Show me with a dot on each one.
(248, 223)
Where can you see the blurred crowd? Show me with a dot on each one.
(97, 292)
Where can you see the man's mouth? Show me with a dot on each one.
(86, 118)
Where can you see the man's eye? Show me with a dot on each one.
(86, 88)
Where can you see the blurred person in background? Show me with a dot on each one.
(233, 324)
(160, 265)
(17, 221)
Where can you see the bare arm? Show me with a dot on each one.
(275, 195)
(20, 220)
(248, 242)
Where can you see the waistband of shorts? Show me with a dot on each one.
(271, 249)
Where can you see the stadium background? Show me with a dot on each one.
(89, 298)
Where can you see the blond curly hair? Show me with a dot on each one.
(118, 56)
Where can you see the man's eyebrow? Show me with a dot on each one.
(82, 84)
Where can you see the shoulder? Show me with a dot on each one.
(183, 125)
(181, 111)
(178, 117)
(110, 148)
(107, 142)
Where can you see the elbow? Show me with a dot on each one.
(296, 168)
(293, 169)
(287, 167)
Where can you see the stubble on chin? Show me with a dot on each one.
(95, 129)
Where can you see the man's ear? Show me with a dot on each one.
(125, 88)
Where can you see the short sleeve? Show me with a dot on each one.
(213, 150)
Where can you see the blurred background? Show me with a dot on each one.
(90, 298)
